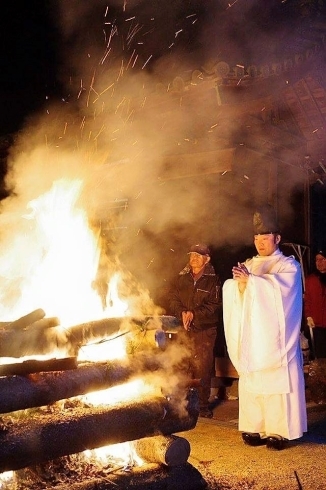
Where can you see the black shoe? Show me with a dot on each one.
(275, 443)
(205, 413)
(253, 439)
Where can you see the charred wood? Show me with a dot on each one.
(19, 393)
(35, 366)
(50, 436)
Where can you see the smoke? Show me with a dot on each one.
(125, 112)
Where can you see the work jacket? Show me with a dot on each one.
(202, 297)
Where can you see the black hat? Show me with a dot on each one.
(264, 220)
(200, 248)
(321, 252)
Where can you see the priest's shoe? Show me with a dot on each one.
(277, 443)
(253, 439)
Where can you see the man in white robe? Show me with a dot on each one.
(262, 308)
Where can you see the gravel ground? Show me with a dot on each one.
(226, 463)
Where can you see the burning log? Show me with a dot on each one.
(19, 393)
(26, 320)
(50, 436)
(35, 335)
(33, 366)
(170, 450)
(38, 338)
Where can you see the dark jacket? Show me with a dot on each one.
(203, 298)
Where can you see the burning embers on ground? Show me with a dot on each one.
(88, 392)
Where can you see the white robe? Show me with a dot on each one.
(262, 330)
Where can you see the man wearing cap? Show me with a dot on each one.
(262, 309)
(195, 299)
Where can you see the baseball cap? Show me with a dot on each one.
(200, 248)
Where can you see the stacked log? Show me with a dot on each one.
(34, 334)
(55, 431)
(49, 436)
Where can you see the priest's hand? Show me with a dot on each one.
(241, 275)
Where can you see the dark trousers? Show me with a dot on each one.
(202, 361)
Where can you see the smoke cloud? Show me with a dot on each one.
(123, 66)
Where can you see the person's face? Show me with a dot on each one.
(266, 244)
(197, 261)
(320, 263)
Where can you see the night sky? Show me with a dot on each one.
(40, 37)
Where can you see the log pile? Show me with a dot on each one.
(48, 430)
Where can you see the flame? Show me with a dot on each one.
(52, 265)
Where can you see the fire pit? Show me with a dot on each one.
(46, 425)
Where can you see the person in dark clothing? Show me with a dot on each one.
(195, 299)
(315, 304)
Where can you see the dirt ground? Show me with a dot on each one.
(226, 463)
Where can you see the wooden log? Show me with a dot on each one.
(35, 335)
(19, 393)
(40, 338)
(169, 450)
(49, 436)
(35, 366)
(26, 320)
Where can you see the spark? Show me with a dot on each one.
(214, 126)
(83, 123)
(124, 98)
(106, 11)
(263, 108)
(322, 166)
(172, 250)
(121, 70)
(171, 45)
(105, 56)
(130, 18)
(225, 172)
(130, 59)
(100, 131)
(240, 66)
(107, 88)
(194, 22)
(146, 62)
(81, 88)
(231, 4)
(133, 32)
(150, 262)
(124, 5)
(135, 61)
(319, 180)
(187, 17)
(246, 177)
(150, 219)
(90, 89)
(315, 130)
(65, 128)
(178, 32)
